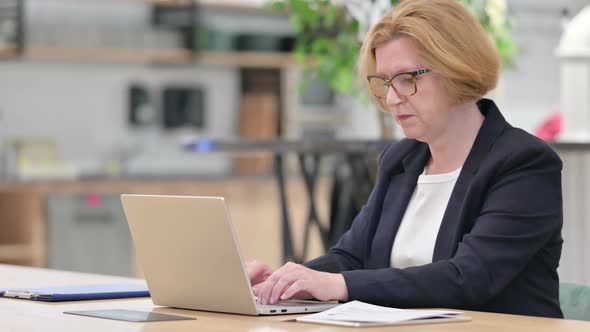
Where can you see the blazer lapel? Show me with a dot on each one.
(403, 185)
(453, 220)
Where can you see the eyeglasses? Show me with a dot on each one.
(404, 83)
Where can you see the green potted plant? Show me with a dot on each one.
(330, 32)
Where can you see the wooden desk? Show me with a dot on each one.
(22, 315)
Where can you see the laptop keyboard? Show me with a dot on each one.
(288, 303)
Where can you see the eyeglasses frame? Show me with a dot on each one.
(388, 82)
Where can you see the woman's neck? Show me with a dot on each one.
(450, 150)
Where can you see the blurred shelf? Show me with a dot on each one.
(152, 2)
(247, 59)
(238, 59)
(160, 2)
(250, 5)
(8, 51)
(256, 5)
(108, 55)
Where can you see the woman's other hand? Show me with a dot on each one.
(257, 272)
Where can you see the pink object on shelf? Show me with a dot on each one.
(550, 127)
(93, 201)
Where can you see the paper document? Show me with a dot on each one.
(358, 313)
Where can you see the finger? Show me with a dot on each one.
(289, 274)
(266, 289)
(273, 279)
(296, 287)
(268, 285)
(280, 287)
(263, 289)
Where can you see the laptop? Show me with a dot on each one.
(190, 257)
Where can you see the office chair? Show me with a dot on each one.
(575, 301)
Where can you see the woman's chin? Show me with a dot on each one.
(409, 133)
(412, 135)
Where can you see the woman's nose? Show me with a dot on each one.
(393, 98)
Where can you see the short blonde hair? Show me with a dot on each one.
(452, 43)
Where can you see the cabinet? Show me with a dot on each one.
(22, 227)
(88, 233)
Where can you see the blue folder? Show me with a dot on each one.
(79, 292)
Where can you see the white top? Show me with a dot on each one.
(415, 239)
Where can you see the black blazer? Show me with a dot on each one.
(499, 242)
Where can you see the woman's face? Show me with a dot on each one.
(424, 115)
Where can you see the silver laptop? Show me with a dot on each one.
(190, 258)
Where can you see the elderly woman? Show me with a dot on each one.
(467, 210)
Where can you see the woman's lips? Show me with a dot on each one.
(404, 117)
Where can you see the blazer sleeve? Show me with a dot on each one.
(351, 250)
(520, 213)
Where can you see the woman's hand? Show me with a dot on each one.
(257, 272)
(297, 281)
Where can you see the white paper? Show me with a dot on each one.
(360, 312)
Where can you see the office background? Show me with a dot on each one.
(98, 98)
